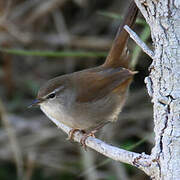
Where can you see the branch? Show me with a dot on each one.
(139, 42)
(141, 161)
(15, 148)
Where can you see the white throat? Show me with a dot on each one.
(49, 116)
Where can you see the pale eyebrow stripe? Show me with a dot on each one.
(57, 89)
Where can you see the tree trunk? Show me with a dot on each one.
(163, 83)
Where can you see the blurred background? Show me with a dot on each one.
(41, 39)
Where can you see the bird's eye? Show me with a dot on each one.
(51, 96)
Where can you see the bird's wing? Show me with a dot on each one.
(101, 82)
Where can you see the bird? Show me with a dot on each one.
(86, 100)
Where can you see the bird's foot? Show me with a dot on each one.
(83, 139)
(71, 133)
(86, 135)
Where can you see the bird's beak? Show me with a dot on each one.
(35, 103)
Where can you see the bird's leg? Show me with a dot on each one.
(86, 135)
(72, 131)
(91, 133)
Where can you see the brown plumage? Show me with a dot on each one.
(117, 56)
(88, 99)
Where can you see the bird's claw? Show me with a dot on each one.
(83, 139)
(71, 134)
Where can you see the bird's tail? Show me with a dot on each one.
(116, 56)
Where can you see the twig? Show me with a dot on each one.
(141, 161)
(139, 42)
(137, 50)
(13, 141)
(30, 165)
(88, 159)
(45, 8)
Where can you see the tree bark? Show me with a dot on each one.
(163, 83)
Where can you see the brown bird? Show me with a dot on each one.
(87, 100)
